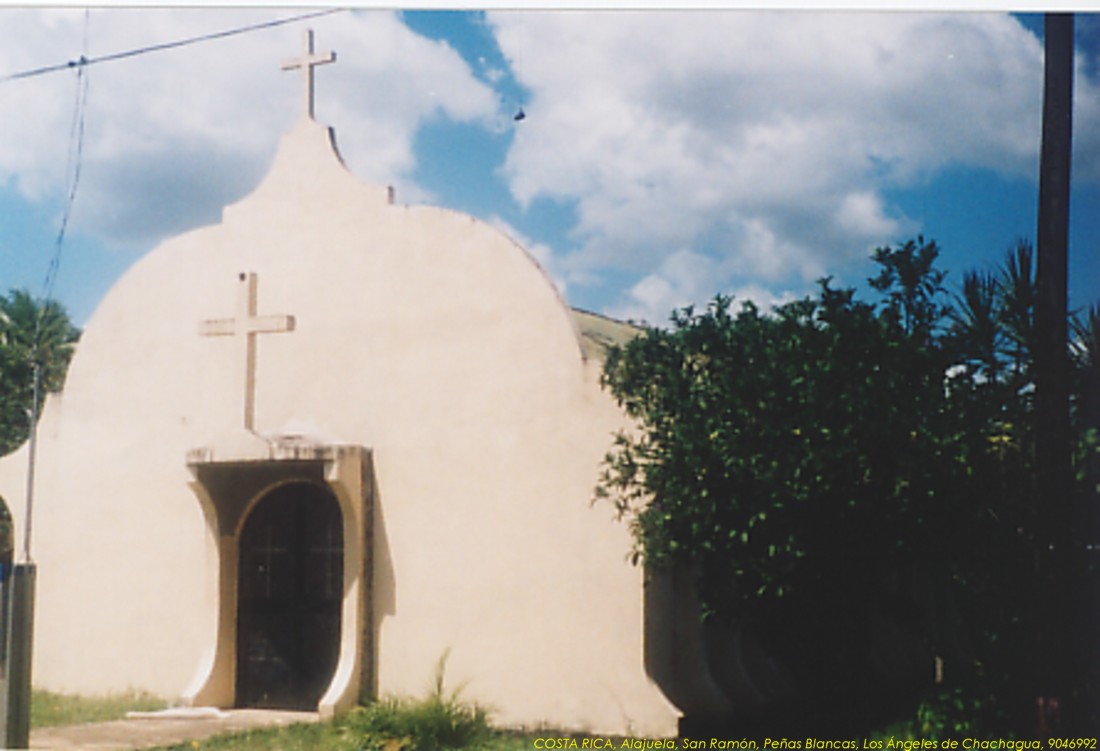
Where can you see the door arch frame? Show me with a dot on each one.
(227, 487)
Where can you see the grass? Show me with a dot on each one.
(301, 737)
(49, 709)
(331, 737)
(431, 724)
(439, 721)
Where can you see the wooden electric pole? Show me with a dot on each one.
(1060, 566)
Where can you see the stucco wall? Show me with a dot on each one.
(421, 333)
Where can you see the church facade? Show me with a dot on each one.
(309, 454)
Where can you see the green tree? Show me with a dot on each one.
(769, 440)
(912, 284)
(976, 324)
(31, 331)
(774, 457)
(838, 458)
(1019, 293)
(1085, 349)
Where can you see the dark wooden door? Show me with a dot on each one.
(289, 596)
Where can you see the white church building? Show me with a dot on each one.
(306, 452)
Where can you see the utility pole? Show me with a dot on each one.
(18, 602)
(1060, 566)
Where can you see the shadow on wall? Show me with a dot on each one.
(7, 559)
(814, 671)
(382, 600)
(7, 536)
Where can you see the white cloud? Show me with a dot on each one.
(861, 214)
(173, 136)
(698, 151)
(763, 142)
(679, 281)
(689, 278)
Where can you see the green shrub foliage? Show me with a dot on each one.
(836, 459)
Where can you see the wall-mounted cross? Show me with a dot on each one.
(245, 327)
(307, 62)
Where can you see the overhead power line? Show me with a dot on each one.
(72, 173)
(72, 170)
(84, 61)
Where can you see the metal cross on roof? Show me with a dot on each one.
(307, 62)
(244, 328)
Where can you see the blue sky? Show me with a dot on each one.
(666, 156)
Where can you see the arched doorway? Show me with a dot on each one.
(290, 589)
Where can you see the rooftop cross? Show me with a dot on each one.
(245, 327)
(307, 62)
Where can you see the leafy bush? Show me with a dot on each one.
(962, 711)
(440, 720)
(837, 462)
(427, 724)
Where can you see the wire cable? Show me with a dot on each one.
(72, 169)
(84, 61)
(72, 176)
